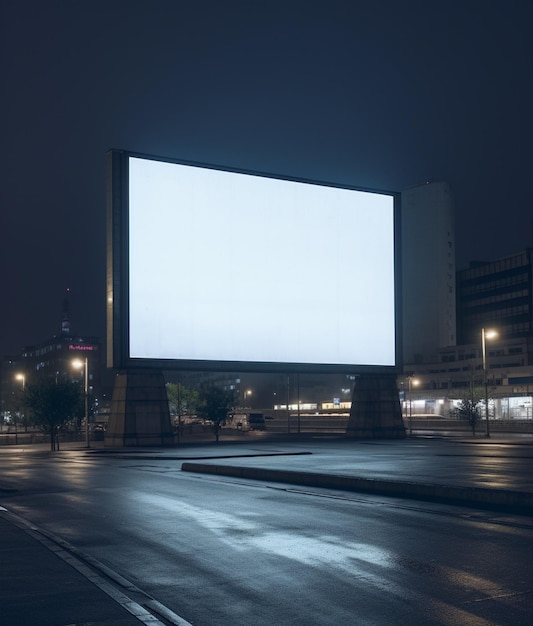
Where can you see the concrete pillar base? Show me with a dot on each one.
(376, 411)
(139, 411)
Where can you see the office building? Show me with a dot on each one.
(497, 293)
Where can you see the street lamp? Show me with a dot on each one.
(78, 364)
(299, 402)
(486, 334)
(415, 382)
(22, 378)
(247, 394)
(288, 406)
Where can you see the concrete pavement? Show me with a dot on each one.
(44, 581)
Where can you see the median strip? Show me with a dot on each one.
(499, 499)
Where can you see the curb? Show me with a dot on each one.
(139, 605)
(482, 497)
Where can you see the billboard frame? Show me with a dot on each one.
(117, 290)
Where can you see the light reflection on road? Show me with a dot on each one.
(358, 562)
(347, 558)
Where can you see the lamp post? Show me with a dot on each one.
(486, 334)
(78, 364)
(411, 381)
(22, 378)
(299, 402)
(288, 407)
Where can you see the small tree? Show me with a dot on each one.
(215, 404)
(52, 405)
(468, 410)
(470, 404)
(181, 401)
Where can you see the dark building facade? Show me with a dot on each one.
(54, 359)
(62, 357)
(496, 294)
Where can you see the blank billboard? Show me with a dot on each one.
(222, 269)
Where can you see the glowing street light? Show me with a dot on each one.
(411, 381)
(247, 394)
(22, 378)
(79, 364)
(486, 334)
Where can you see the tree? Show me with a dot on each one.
(469, 406)
(52, 405)
(215, 404)
(181, 401)
(468, 410)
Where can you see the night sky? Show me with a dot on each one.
(381, 94)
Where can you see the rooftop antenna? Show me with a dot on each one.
(65, 321)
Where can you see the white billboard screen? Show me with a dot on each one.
(242, 268)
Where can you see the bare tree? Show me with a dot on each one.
(470, 405)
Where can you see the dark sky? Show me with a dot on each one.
(382, 94)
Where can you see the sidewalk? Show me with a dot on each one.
(42, 584)
(45, 582)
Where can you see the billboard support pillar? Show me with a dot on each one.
(375, 411)
(139, 411)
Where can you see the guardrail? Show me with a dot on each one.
(26, 438)
(501, 426)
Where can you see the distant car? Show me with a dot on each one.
(256, 421)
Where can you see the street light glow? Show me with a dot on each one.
(489, 333)
(84, 364)
(411, 382)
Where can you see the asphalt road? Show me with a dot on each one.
(223, 551)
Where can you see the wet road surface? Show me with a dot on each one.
(225, 551)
